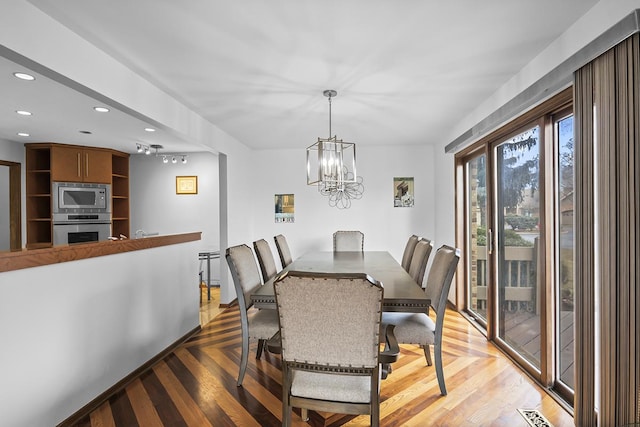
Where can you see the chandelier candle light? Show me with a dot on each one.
(331, 165)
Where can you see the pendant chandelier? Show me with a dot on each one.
(331, 165)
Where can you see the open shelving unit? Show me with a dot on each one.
(120, 194)
(38, 197)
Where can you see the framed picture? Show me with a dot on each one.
(186, 185)
(403, 192)
(284, 207)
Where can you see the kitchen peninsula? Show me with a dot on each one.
(76, 320)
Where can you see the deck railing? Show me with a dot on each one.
(519, 278)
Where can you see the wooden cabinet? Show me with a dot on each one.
(47, 162)
(80, 164)
(120, 194)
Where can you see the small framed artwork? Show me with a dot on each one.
(403, 192)
(284, 207)
(186, 185)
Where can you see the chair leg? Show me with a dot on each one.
(427, 354)
(375, 409)
(304, 414)
(243, 358)
(439, 371)
(261, 346)
(286, 412)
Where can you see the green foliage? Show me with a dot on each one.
(511, 238)
(514, 172)
(518, 222)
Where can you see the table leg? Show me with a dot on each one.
(208, 277)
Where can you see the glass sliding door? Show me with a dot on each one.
(476, 245)
(516, 228)
(517, 223)
(563, 130)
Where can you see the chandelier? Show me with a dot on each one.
(331, 165)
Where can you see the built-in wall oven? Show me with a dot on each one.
(81, 212)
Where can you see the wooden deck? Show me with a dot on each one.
(523, 327)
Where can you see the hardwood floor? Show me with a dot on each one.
(196, 386)
(209, 308)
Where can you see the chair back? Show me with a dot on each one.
(348, 241)
(419, 260)
(440, 277)
(265, 259)
(330, 319)
(283, 250)
(244, 271)
(408, 252)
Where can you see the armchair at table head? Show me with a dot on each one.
(419, 260)
(348, 241)
(283, 250)
(261, 324)
(419, 328)
(329, 331)
(265, 259)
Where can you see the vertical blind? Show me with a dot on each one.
(607, 174)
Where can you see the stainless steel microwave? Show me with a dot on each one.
(81, 197)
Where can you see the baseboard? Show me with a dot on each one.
(95, 403)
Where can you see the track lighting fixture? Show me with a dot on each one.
(141, 148)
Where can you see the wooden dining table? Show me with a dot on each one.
(401, 292)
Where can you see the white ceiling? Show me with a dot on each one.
(405, 71)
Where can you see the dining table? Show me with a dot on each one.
(401, 292)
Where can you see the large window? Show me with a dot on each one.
(517, 215)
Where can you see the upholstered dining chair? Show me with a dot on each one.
(265, 259)
(259, 324)
(283, 250)
(348, 241)
(408, 251)
(329, 335)
(419, 328)
(419, 260)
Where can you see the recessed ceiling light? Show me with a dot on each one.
(86, 132)
(101, 109)
(150, 129)
(23, 113)
(23, 134)
(24, 76)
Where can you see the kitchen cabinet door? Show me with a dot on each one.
(74, 164)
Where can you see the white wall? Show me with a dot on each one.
(385, 227)
(155, 206)
(72, 330)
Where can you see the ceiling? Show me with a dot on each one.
(406, 72)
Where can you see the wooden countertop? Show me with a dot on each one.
(28, 258)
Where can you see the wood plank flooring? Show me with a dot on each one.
(196, 386)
